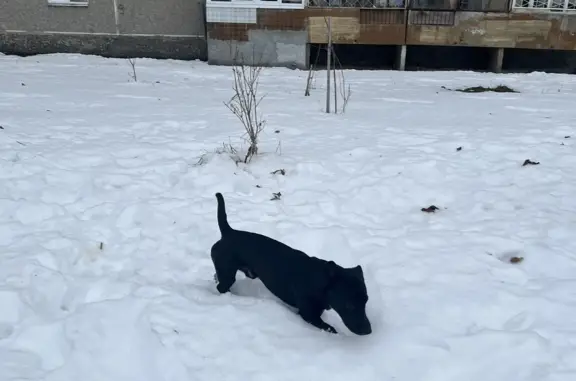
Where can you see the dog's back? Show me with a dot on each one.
(286, 272)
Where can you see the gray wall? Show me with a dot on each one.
(284, 48)
(27, 26)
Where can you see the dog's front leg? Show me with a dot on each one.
(313, 315)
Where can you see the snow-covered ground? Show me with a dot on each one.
(107, 219)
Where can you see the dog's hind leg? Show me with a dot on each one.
(225, 267)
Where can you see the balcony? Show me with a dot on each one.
(501, 6)
(428, 5)
(382, 4)
(254, 4)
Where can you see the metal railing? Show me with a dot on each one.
(280, 4)
(424, 5)
(461, 5)
(545, 5)
(382, 4)
(429, 5)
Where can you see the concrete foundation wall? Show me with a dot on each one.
(104, 45)
(264, 47)
(150, 28)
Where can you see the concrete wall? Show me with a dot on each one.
(265, 37)
(167, 28)
(358, 26)
(263, 48)
(526, 30)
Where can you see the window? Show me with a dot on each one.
(546, 5)
(68, 3)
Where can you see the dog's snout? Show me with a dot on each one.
(366, 330)
(359, 327)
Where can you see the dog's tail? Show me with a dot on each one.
(222, 218)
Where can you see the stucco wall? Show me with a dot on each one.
(166, 17)
(163, 29)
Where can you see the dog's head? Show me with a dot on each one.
(348, 296)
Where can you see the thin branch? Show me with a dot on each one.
(132, 62)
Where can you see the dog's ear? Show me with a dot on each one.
(358, 272)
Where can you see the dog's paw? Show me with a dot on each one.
(221, 288)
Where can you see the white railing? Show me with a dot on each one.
(545, 5)
(464, 5)
(280, 4)
(394, 4)
(298, 4)
(517, 5)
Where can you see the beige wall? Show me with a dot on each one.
(158, 17)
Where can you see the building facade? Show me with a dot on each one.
(281, 32)
(410, 33)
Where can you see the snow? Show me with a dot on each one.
(107, 220)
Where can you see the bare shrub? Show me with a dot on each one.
(345, 92)
(244, 104)
(340, 86)
(340, 90)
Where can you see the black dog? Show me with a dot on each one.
(309, 284)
